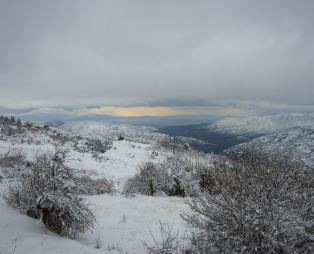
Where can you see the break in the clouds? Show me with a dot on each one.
(132, 52)
(138, 111)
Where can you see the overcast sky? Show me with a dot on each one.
(137, 53)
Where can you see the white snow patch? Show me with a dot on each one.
(127, 222)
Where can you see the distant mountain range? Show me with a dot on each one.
(262, 124)
(288, 134)
(55, 123)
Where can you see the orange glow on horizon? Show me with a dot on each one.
(134, 111)
(138, 111)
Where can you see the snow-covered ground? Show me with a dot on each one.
(123, 223)
(127, 222)
(118, 164)
(20, 234)
(28, 149)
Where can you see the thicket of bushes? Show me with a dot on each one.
(257, 204)
(176, 175)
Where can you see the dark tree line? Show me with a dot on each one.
(10, 126)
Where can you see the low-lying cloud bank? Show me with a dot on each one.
(168, 109)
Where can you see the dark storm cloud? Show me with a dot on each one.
(135, 52)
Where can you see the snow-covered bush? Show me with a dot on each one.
(184, 173)
(205, 176)
(46, 188)
(89, 186)
(95, 146)
(257, 205)
(150, 180)
(11, 163)
(65, 213)
(179, 187)
(206, 180)
(12, 159)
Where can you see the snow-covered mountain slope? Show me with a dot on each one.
(287, 134)
(263, 124)
(108, 131)
(296, 142)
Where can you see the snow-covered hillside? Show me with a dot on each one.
(288, 134)
(117, 164)
(30, 141)
(263, 124)
(123, 223)
(296, 142)
(109, 131)
(115, 152)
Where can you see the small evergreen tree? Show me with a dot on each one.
(19, 122)
(12, 119)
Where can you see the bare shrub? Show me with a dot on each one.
(206, 180)
(168, 244)
(46, 188)
(256, 205)
(98, 243)
(165, 142)
(65, 213)
(12, 158)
